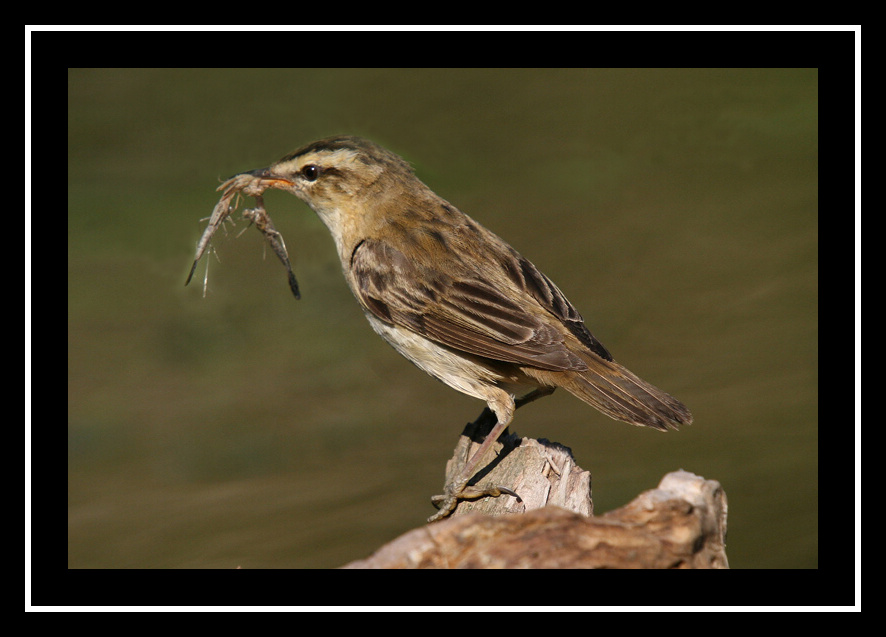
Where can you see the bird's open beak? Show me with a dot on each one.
(269, 179)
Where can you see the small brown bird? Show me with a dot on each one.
(454, 298)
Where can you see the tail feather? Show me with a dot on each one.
(622, 395)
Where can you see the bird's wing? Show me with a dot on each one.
(469, 314)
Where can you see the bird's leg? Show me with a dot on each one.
(458, 489)
(535, 394)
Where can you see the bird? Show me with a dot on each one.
(455, 299)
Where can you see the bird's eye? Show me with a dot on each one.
(310, 172)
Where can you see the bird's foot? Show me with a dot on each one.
(459, 490)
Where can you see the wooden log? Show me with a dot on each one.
(680, 524)
(541, 472)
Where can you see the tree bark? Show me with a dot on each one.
(680, 524)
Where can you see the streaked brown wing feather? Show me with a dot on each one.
(463, 313)
(527, 277)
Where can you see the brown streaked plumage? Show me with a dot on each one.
(453, 297)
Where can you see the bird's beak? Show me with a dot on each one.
(269, 179)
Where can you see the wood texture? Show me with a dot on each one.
(679, 524)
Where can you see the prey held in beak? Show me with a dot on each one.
(251, 184)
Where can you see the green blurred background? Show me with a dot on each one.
(677, 209)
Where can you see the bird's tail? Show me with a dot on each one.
(620, 394)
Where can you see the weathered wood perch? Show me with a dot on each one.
(680, 524)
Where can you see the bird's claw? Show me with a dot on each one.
(457, 491)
